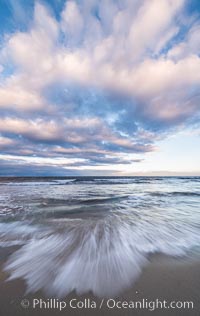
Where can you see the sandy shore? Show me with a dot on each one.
(163, 278)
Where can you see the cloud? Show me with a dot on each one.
(100, 80)
(17, 97)
(34, 130)
(190, 45)
(85, 138)
(24, 165)
(72, 22)
(6, 142)
(153, 23)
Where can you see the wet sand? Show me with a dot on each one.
(164, 278)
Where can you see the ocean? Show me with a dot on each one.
(95, 234)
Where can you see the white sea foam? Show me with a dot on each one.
(30, 183)
(40, 183)
(17, 233)
(104, 257)
(64, 181)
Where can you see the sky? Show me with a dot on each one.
(99, 87)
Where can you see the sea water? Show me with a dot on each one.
(95, 233)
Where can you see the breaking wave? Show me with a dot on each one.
(92, 238)
(104, 256)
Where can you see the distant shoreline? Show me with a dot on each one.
(96, 177)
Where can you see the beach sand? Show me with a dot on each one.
(164, 278)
